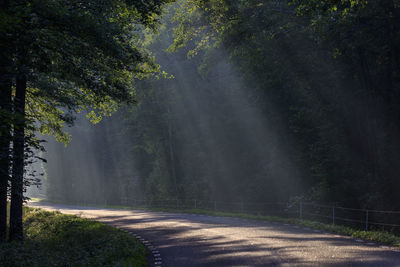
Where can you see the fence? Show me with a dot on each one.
(363, 219)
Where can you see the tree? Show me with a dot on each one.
(5, 138)
(73, 55)
(5, 116)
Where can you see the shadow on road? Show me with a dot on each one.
(195, 240)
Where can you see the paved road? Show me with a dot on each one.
(196, 240)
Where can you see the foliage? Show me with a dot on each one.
(78, 55)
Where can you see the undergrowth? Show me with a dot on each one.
(55, 239)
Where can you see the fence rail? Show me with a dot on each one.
(364, 219)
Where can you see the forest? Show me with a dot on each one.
(254, 101)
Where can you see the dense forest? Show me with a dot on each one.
(261, 101)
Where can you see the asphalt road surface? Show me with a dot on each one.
(176, 240)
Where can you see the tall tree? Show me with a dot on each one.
(76, 55)
(5, 114)
(17, 180)
(5, 139)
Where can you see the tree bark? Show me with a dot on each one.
(5, 128)
(16, 231)
(5, 139)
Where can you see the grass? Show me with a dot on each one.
(55, 239)
(372, 235)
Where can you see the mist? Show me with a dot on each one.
(91, 169)
(212, 141)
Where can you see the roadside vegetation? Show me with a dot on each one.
(55, 239)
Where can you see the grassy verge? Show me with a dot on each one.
(373, 236)
(55, 239)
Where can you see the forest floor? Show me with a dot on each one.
(179, 239)
(55, 239)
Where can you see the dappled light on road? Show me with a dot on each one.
(200, 240)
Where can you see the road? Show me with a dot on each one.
(188, 240)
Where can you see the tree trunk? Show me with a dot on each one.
(5, 138)
(5, 128)
(16, 232)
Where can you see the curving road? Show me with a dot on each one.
(196, 240)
